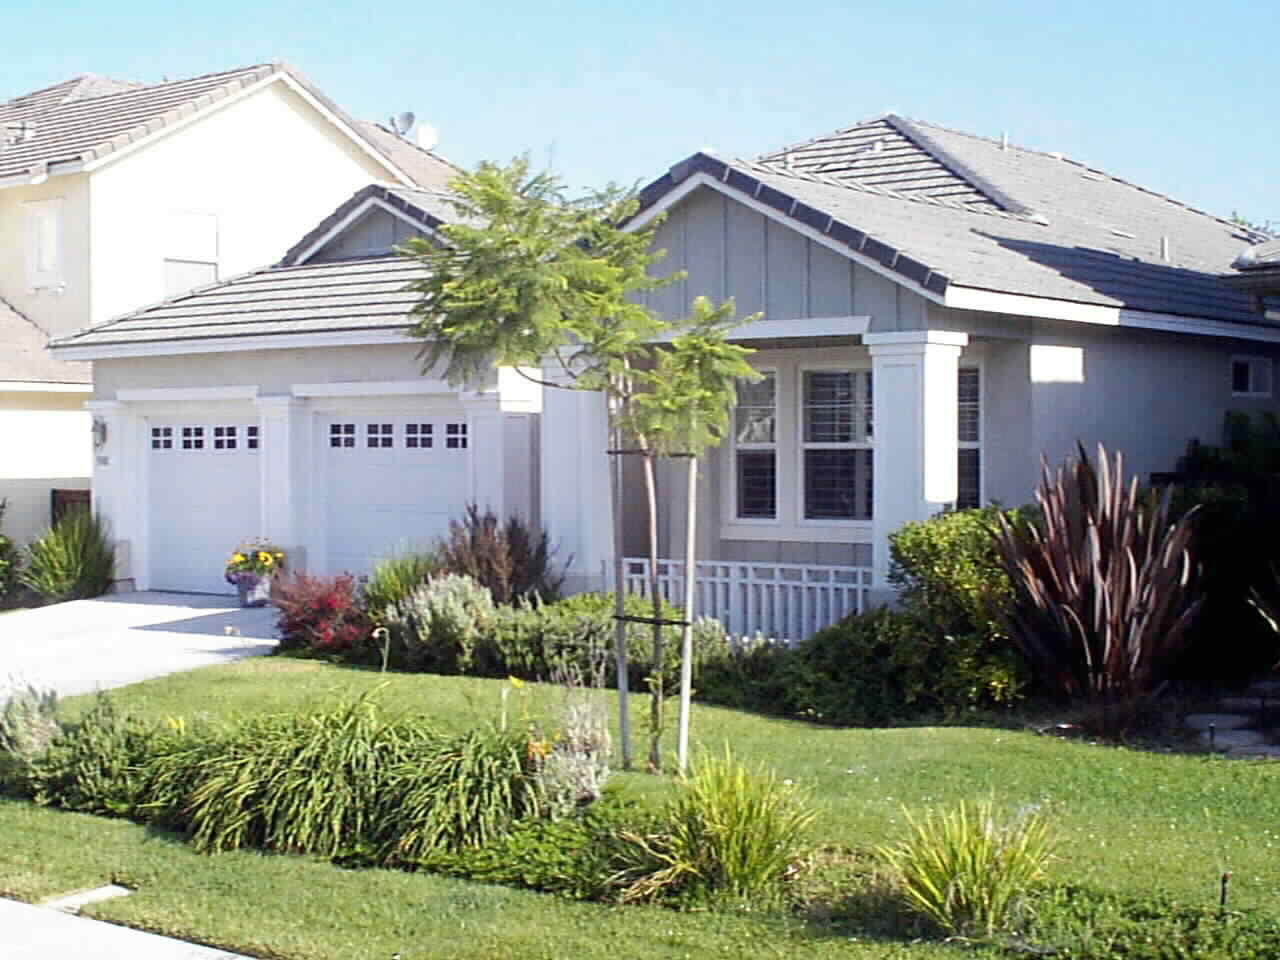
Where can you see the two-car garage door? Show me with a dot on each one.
(381, 484)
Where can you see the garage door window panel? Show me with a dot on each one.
(379, 436)
(162, 438)
(193, 438)
(342, 435)
(455, 436)
(418, 436)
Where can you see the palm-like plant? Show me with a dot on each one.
(1103, 583)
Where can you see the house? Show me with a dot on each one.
(1257, 272)
(287, 403)
(940, 309)
(114, 195)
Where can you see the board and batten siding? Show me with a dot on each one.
(729, 250)
(376, 232)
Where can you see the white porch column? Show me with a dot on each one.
(119, 488)
(575, 486)
(283, 454)
(914, 385)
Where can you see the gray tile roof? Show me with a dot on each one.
(351, 295)
(942, 207)
(24, 357)
(1262, 256)
(88, 117)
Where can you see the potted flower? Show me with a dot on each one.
(251, 568)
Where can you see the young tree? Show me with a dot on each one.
(527, 277)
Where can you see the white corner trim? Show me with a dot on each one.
(705, 180)
(35, 386)
(278, 341)
(179, 394)
(917, 338)
(372, 388)
(352, 217)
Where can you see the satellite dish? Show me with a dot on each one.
(426, 136)
(401, 123)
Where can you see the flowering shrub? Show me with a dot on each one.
(321, 614)
(254, 559)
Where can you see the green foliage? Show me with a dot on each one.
(94, 766)
(10, 559)
(729, 836)
(970, 870)
(439, 626)
(28, 723)
(528, 270)
(510, 559)
(394, 578)
(71, 560)
(1102, 582)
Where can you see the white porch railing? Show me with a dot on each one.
(783, 601)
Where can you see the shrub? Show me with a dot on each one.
(439, 625)
(571, 765)
(730, 835)
(319, 614)
(394, 578)
(513, 561)
(28, 723)
(10, 559)
(1102, 581)
(71, 560)
(970, 870)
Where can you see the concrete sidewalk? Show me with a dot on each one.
(40, 933)
(88, 645)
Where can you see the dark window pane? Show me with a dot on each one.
(969, 491)
(1239, 376)
(757, 485)
(837, 484)
(828, 406)
(968, 406)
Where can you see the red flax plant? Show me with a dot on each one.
(1103, 583)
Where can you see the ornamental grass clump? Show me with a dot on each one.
(1104, 588)
(72, 560)
(730, 836)
(971, 870)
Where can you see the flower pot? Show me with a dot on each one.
(254, 591)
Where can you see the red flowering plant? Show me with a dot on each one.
(320, 614)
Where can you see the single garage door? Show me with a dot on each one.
(204, 500)
(391, 484)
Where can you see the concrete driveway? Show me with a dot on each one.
(89, 645)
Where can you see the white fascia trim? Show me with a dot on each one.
(374, 388)
(850, 326)
(351, 218)
(185, 394)
(35, 386)
(278, 341)
(706, 180)
(909, 338)
(993, 301)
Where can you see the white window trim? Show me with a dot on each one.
(802, 445)
(1255, 362)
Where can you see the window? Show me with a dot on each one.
(251, 438)
(1251, 376)
(224, 438)
(379, 435)
(455, 436)
(836, 444)
(969, 472)
(754, 428)
(193, 438)
(417, 436)
(162, 438)
(342, 435)
(44, 244)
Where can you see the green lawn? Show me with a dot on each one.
(1130, 822)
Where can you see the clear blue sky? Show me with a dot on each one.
(1176, 96)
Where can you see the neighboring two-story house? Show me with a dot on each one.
(114, 195)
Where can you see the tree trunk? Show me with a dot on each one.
(686, 635)
(655, 672)
(619, 594)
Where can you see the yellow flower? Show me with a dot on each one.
(264, 558)
(237, 557)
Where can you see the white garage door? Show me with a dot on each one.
(203, 500)
(391, 484)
